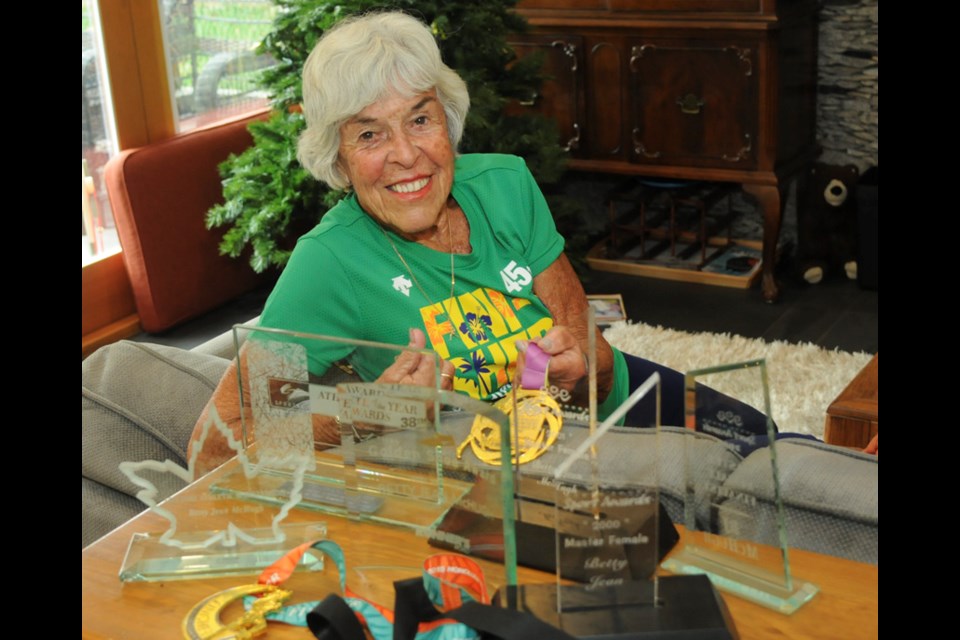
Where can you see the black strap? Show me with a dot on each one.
(414, 606)
(333, 619)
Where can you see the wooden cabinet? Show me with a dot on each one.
(721, 90)
(693, 103)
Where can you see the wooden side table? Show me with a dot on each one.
(852, 419)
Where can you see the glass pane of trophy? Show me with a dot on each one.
(296, 407)
(206, 535)
(737, 536)
(587, 506)
(589, 468)
(380, 453)
(274, 384)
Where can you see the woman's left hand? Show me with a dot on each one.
(560, 290)
(567, 363)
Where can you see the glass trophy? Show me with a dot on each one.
(380, 453)
(606, 529)
(588, 507)
(208, 536)
(737, 537)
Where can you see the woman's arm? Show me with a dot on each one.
(216, 451)
(560, 290)
(226, 399)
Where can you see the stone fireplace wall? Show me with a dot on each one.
(848, 88)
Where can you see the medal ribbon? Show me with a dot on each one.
(450, 580)
(536, 366)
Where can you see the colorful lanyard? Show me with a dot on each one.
(449, 580)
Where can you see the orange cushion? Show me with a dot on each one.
(160, 194)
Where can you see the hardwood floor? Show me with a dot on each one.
(833, 314)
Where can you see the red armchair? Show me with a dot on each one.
(159, 195)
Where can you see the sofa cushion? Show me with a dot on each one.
(223, 345)
(140, 401)
(831, 499)
(102, 510)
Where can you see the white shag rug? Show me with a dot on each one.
(804, 378)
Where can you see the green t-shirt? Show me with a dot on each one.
(345, 279)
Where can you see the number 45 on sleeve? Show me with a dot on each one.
(515, 278)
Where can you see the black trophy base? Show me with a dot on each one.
(689, 608)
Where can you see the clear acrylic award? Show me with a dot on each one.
(380, 453)
(736, 536)
(207, 536)
(588, 510)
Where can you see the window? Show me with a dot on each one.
(211, 52)
(98, 143)
(151, 70)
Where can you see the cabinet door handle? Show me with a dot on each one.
(641, 149)
(690, 104)
(574, 142)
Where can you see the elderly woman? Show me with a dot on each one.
(456, 253)
(430, 249)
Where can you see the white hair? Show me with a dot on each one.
(357, 62)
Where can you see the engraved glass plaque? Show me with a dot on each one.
(381, 452)
(596, 492)
(211, 535)
(606, 521)
(343, 422)
(274, 383)
(735, 536)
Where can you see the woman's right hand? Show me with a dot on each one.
(419, 369)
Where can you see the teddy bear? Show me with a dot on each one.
(827, 223)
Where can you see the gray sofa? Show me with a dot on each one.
(140, 401)
(121, 420)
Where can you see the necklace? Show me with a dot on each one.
(453, 273)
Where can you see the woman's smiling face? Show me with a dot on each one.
(398, 158)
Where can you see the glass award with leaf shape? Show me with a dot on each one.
(381, 453)
(211, 535)
(736, 533)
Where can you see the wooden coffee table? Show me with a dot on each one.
(853, 418)
(845, 608)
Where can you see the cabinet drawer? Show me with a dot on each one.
(694, 102)
(561, 97)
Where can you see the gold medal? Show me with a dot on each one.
(534, 428)
(203, 622)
